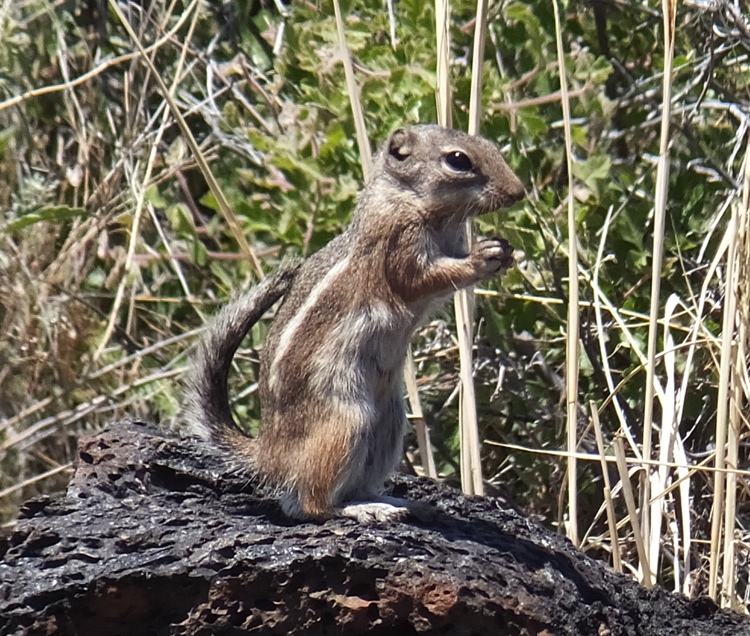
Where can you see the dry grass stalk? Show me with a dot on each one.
(443, 37)
(477, 64)
(722, 411)
(599, 298)
(662, 185)
(729, 567)
(363, 141)
(702, 467)
(684, 475)
(627, 491)
(740, 421)
(667, 440)
(36, 479)
(609, 503)
(573, 322)
(729, 413)
(471, 468)
(471, 461)
(424, 444)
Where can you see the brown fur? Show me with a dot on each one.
(332, 412)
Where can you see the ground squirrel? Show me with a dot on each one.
(331, 392)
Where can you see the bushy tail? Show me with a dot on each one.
(207, 409)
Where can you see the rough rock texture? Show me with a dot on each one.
(154, 537)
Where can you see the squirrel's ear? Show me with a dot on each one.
(401, 144)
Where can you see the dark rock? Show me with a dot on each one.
(155, 536)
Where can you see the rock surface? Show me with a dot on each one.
(155, 536)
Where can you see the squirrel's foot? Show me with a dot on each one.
(374, 512)
(387, 510)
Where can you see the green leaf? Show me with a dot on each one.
(180, 217)
(59, 213)
(593, 170)
(155, 197)
(535, 125)
(6, 136)
(579, 136)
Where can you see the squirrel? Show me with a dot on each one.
(331, 388)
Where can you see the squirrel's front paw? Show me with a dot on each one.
(492, 255)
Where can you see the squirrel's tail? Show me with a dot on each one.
(207, 411)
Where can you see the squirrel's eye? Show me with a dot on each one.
(459, 161)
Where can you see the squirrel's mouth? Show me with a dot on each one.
(507, 198)
(494, 202)
(502, 197)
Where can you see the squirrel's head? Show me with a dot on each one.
(450, 174)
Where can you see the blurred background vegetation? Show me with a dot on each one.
(113, 252)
